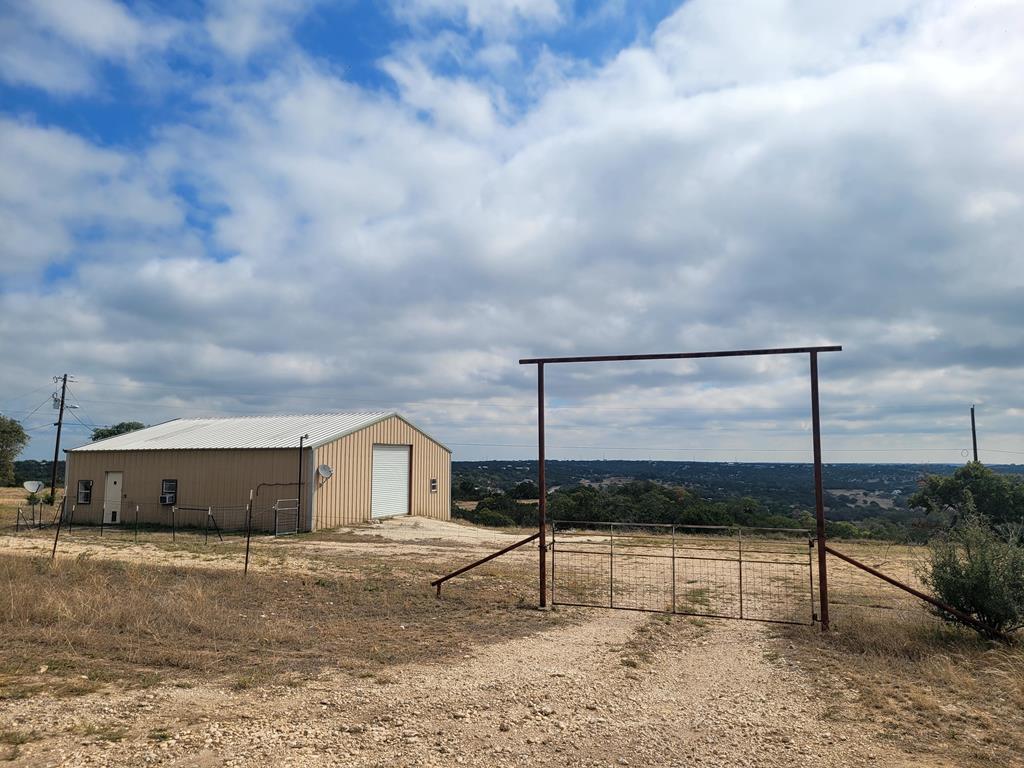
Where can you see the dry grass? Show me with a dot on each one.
(72, 626)
(11, 742)
(930, 688)
(10, 500)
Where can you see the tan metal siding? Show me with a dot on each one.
(345, 498)
(217, 478)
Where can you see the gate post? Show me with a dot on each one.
(819, 501)
(542, 501)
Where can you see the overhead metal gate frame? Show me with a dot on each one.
(756, 574)
(819, 494)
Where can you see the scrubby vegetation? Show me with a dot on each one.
(972, 489)
(979, 571)
(902, 503)
(642, 502)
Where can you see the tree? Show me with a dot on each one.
(527, 489)
(973, 488)
(12, 440)
(102, 433)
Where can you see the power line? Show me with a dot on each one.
(528, 405)
(30, 392)
(726, 449)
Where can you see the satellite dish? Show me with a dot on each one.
(325, 471)
(33, 486)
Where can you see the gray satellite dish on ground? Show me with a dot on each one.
(33, 486)
(325, 471)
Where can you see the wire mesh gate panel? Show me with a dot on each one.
(760, 574)
(286, 516)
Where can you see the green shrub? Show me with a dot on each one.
(974, 569)
(484, 516)
(494, 518)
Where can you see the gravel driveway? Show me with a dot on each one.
(618, 688)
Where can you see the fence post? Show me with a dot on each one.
(206, 527)
(136, 523)
(53, 554)
(17, 522)
(275, 520)
(611, 566)
(248, 531)
(173, 532)
(552, 562)
(103, 514)
(739, 541)
(810, 573)
(673, 569)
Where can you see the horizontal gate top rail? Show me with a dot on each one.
(582, 524)
(680, 355)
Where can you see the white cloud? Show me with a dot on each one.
(55, 188)
(496, 17)
(455, 104)
(56, 45)
(242, 27)
(757, 175)
(103, 27)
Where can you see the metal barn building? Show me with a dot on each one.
(353, 466)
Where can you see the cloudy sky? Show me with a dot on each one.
(267, 206)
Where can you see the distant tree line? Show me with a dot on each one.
(650, 502)
(13, 440)
(34, 469)
(937, 506)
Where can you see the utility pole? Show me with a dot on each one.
(56, 446)
(974, 435)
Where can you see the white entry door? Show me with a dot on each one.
(112, 497)
(389, 493)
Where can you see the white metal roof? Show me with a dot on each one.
(242, 432)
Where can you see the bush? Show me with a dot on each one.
(484, 516)
(980, 573)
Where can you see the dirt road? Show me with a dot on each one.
(617, 688)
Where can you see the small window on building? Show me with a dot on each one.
(168, 491)
(433, 485)
(85, 491)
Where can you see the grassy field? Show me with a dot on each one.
(109, 613)
(927, 686)
(73, 625)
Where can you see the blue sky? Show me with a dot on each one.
(215, 208)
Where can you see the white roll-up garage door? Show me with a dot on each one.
(390, 490)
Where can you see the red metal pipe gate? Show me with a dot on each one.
(819, 505)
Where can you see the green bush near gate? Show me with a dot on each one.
(979, 571)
